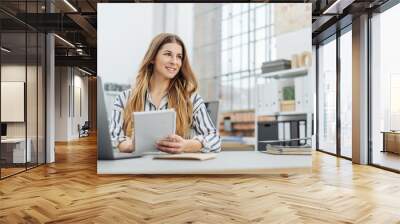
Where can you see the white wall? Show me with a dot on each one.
(15, 72)
(85, 98)
(68, 80)
(179, 20)
(61, 103)
(294, 42)
(79, 117)
(124, 32)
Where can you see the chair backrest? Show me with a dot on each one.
(86, 125)
(212, 108)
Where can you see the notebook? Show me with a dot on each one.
(187, 156)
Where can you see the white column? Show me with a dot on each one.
(360, 90)
(50, 99)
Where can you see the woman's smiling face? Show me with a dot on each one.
(168, 60)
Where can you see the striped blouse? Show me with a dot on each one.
(202, 128)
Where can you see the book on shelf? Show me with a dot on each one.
(288, 150)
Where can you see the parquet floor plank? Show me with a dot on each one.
(70, 191)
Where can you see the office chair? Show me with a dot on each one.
(84, 130)
(212, 109)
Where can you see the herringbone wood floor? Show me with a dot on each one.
(70, 191)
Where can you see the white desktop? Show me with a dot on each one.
(15, 147)
(226, 162)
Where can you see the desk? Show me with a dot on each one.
(234, 162)
(13, 150)
(391, 141)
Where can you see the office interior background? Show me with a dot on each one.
(48, 73)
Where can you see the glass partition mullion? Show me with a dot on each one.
(327, 96)
(346, 93)
(338, 98)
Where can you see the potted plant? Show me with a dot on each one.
(288, 102)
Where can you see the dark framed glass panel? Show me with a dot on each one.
(22, 61)
(385, 89)
(13, 105)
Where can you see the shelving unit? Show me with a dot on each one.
(297, 116)
(285, 74)
(269, 94)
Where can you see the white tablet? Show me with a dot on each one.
(151, 126)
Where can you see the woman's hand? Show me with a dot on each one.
(172, 144)
(126, 146)
(177, 144)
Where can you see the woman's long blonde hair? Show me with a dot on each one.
(180, 89)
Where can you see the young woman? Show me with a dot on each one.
(166, 80)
